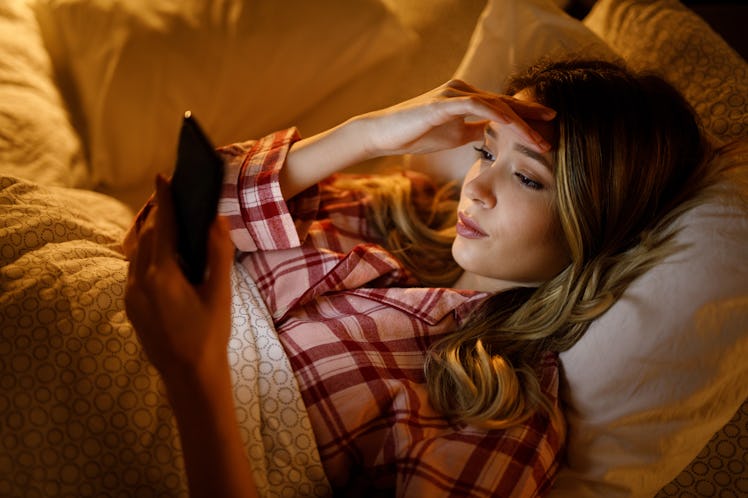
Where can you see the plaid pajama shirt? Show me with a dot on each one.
(356, 329)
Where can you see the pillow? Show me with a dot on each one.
(510, 35)
(658, 374)
(666, 37)
(243, 67)
(37, 139)
(442, 31)
(655, 377)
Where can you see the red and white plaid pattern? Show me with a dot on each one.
(356, 330)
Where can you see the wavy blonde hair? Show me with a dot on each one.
(629, 159)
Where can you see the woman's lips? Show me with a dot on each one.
(468, 228)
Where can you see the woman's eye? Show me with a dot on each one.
(484, 153)
(528, 182)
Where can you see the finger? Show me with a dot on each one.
(137, 287)
(524, 108)
(532, 110)
(220, 261)
(165, 229)
(463, 86)
(531, 136)
(137, 307)
(143, 256)
(470, 105)
(474, 131)
(524, 130)
(485, 108)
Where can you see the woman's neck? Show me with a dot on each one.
(472, 281)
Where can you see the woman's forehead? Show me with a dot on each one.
(512, 139)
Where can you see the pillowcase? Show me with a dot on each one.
(243, 67)
(442, 31)
(37, 140)
(512, 35)
(659, 373)
(655, 377)
(668, 38)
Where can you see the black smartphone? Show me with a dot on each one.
(196, 188)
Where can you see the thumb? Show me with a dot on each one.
(474, 131)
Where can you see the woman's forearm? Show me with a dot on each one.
(214, 456)
(313, 159)
(431, 122)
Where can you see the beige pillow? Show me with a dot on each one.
(243, 67)
(37, 139)
(666, 37)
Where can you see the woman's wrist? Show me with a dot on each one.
(215, 458)
(313, 159)
(358, 133)
(186, 383)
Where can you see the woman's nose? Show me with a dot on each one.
(480, 190)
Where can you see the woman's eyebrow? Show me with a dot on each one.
(522, 149)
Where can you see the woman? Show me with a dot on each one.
(422, 328)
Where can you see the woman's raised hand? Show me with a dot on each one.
(438, 120)
(447, 117)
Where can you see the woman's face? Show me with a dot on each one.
(508, 229)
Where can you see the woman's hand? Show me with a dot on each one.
(183, 328)
(436, 120)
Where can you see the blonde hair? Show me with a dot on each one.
(629, 159)
(420, 235)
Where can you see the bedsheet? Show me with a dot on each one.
(82, 411)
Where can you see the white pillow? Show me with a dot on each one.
(655, 377)
(664, 369)
(511, 35)
(658, 374)
(243, 67)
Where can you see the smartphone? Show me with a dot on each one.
(196, 188)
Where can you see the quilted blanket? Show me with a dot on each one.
(82, 412)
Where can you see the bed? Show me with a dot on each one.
(91, 93)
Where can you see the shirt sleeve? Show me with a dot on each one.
(252, 201)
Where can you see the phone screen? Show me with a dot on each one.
(196, 187)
